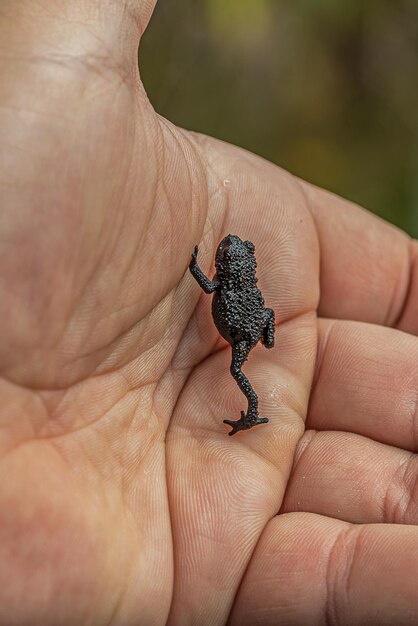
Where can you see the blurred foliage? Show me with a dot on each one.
(326, 89)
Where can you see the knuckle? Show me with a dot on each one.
(401, 499)
(339, 574)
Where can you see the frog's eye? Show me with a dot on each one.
(250, 246)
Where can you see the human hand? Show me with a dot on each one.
(122, 500)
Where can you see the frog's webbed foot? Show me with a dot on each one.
(245, 422)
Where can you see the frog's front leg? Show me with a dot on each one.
(208, 286)
(240, 353)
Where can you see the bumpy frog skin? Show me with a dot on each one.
(239, 314)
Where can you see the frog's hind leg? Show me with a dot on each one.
(239, 356)
(268, 331)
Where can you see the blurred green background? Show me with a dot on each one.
(325, 88)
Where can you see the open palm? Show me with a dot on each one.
(122, 499)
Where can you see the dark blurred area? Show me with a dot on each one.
(326, 89)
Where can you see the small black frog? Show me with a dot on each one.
(239, 314)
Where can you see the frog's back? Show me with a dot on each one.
(239, 315)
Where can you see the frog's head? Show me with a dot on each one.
(234, 255)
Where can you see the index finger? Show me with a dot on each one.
(368, 269)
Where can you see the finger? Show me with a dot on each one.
(354, 479)
(366, 382)
(309, 569)
(223, 490)
(369, 269)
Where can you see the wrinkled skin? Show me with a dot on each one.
(121, 499)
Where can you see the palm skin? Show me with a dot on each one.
(122, 500)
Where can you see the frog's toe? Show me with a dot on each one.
(236, 425)
(244, 423)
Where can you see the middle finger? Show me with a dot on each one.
(352, 478)
(366, 382)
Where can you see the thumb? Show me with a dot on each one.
(74, 26)
(73, 136)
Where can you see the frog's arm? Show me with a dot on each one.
(208, 286)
